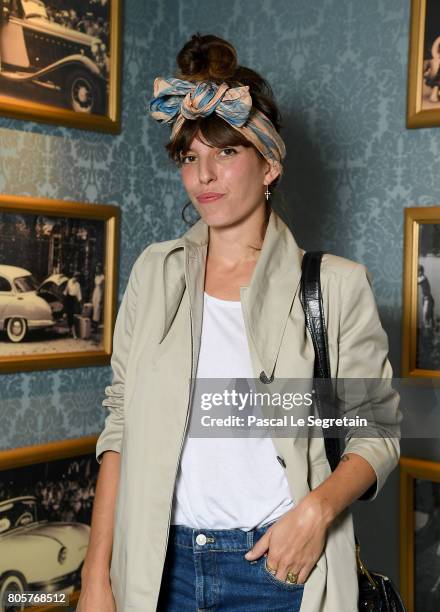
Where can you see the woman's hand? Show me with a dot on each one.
(96, 595)
(296, 541)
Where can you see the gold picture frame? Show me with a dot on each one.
(77, 87)
(423, 103)
(416, 512)
(53, 484)
(59, 239)
(421, 294)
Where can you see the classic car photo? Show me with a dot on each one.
(58, 270)
(46, 502)
(21, 308)
(61, 57)
(38, 555)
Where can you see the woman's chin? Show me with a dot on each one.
(216, 218)
(220, 222)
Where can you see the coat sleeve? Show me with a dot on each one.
(363, 354)
(111, 436)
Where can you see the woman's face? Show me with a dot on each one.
(236, 173)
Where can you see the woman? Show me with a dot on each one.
(428, 301)
(258, 524)
(97, 297)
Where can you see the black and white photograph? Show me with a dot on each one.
(428, 297)
(45, 516)
(431, 56)
(58, 54)
(52, 283)
(424, 65)
(421, 292)
(420, 534)
(426, 545)
(54, 272)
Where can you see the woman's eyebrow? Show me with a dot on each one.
(212, 147)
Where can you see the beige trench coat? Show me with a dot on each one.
(155, 353)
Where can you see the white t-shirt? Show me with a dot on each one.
(227, 483)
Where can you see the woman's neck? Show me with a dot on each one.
(237, 245)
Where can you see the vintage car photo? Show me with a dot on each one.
(43, 53)
(26, 304)
(35, 554)
(57, 282)
(59, 290)
(21, 308)
(420, 533)
(58, 53)
(46, 500)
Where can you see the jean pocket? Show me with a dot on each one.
(276, 581)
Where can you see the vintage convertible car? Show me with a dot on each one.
(21, 308)
(38, 555)
(33, 48)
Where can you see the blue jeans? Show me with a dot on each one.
(205, 569)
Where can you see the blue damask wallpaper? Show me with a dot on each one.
(339, 71)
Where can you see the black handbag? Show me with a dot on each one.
(377, 592)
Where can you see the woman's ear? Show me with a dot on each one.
(271, 174)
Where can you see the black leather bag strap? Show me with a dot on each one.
(376, 592)
(311, 299)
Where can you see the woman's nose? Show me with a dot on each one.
(206, 171)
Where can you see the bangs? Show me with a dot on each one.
(215, 132)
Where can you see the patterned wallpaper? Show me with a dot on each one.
(130, 170)
(338, 69)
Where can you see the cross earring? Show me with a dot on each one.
(267, 192)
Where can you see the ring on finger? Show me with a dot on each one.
(271, 569)
(292, 577)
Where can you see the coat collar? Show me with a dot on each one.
(266, 302)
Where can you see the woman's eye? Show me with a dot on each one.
(184, 158)
(229, 149)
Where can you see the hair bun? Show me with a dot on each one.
(206, 58)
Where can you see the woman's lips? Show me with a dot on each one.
(209, 197)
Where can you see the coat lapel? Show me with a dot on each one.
(266, 302)
(268, 299)
(174, 285)
(184, 268)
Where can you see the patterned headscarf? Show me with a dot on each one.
(176, 100)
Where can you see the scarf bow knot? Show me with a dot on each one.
(176, 100)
